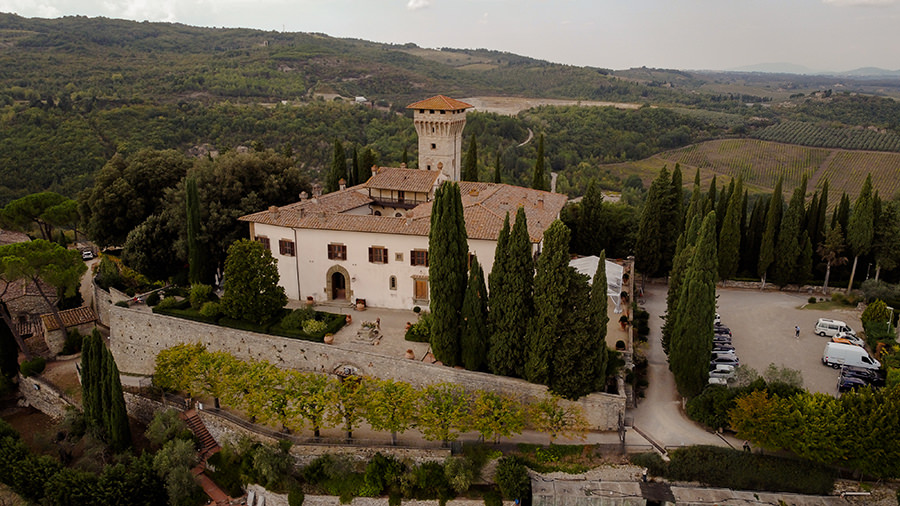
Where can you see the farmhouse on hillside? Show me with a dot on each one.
(369, 242)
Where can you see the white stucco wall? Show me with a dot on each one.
(366, 280)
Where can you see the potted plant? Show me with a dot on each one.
(623, 322)
(328, 339)
(310, 301)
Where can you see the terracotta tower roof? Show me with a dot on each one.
(440, 103)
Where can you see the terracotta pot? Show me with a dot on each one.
(410, 355)
(348, 319)
(328, 339)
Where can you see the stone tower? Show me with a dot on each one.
(439, 124)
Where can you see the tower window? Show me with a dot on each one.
(433, 146)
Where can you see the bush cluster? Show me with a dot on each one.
(33, 367)
(73, 341)
(420, 332)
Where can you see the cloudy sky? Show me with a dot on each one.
(687, 34)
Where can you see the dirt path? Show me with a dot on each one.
(511, 106)
(526, 141)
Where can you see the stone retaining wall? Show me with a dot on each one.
(137, 336)
(104, 300)
(273, 499)
(143, 409)
(45, 397)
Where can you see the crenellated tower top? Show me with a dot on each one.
(439, 122)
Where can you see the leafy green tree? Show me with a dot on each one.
(211, 373)
(149, 248)
(770, 233)
(470, 165)
(165, 426)
(539, 178)
(443, 410)
(41, 262)
(338, 168)
(312, 396)
(448, 251)
(550, 303)
(43, 210)
(513, 479)
(71, 487)
(350, 397)
(475, 334)
(555, 417)
(173, 369)
(730, 234)
(195, 254)
(495, 416)
(691, 339)
(513, 305)
(832, 252)
(251, 283)
(173, 464)
(392, 407)
(861, 229)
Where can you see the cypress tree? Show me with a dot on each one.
(680, 264)
(805, 260)
(861, 228)
(710, 202)
(338, 168)
(788, 247)
(651, 239)
(696, 203)
(754, 231)
(90, 381)
(730, 233)
(114, 412)
(538, 178)
(588, 235)
(886, 245)
(812, 215)
(366, 162)
(677, 207)
(821, 217)
(691, 343)
(404, 158)
(508, 350)
(448, 252)
(499, 348)
(470, 167)
(354, 169)
(574, 361)
(497, 168)
(722, 205)
(770, 233)
(598, 312)
(474, 339)
(195, 255)
(842, 214)
(549, 304)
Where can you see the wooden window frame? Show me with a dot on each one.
(337, 251)
(418, 257)
(378, 255)
(287, 248)
(264, 241)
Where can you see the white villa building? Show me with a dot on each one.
(370, 241)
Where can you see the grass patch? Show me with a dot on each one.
(571, 459)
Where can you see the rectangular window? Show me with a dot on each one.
(286, 248)
(337, 252)
(378, 255)
(418, 257)
(398, 257)
(433, 146)
(264, 241)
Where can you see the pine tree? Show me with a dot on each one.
(538, 178)
(788, 247)
(508, 350)
(448, 252)
(195, 255)
(498, 350)
(861, 228)
(691, 342)
(497, 178)
(730, 233)
(770, 233)
(470, 167)
(652, 237)
(338, 168)
(550, 302)
(474, 339)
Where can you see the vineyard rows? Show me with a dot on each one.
(848, 170)
(809, 134)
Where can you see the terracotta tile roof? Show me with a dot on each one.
(411, 180)
(331, 204)
(10, 237)
(484, 207)
(70, 317)
(440, 103)
(20, 288)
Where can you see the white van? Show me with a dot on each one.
(826, 327)
(838, 354)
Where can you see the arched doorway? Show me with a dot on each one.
(338, 286)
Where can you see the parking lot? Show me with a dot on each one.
(762, 325)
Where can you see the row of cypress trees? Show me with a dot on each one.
(104, 405)
(542, 322)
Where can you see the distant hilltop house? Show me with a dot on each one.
(370, 241)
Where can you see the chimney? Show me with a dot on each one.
(342, 184)
(303, 196)
(403, 165)
(274, 211)
(473, 192)
(540, 203)
(317, 190)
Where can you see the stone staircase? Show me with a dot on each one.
(208, 445)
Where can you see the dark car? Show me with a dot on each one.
(721, 340)
(722, 347)
(845, 384)
(870, 376)
(725, 360)
(719, 331)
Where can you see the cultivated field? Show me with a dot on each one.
(762, 162)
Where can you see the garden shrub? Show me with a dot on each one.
(727, 468)
(294, 319)
(166, 426)
(153, 299)
(811, 300)
(269, 466)
(512, 478)
(641, 322)
(493, 498)
(227, 474)
(426, 481)
(314, 328)
(73, 341)
(655, 465)
(420, 332)
(876, 312)
(33, 366)
(123, 303)
(381, 473)
(200, 293)
(211, 309)
(295, 496)
(460, 473)
(169, 302)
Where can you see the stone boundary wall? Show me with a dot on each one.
(104, 300)
(273, 499)
(137, 336)
(143, 409)
(45, 397)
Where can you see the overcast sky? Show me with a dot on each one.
(686, 34)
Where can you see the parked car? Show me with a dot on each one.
(843, 337)
(717, 320)
(724, 353)
(722, 371)
(722, 331)
(87, 254)
(715, 380)
(730, 360)
(827, 327)
(845, 384)
(722, 347)
(722, 339)
(838, 354)
(870, 376)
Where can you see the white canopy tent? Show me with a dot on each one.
(588, 267)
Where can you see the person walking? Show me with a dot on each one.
(797, 331)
